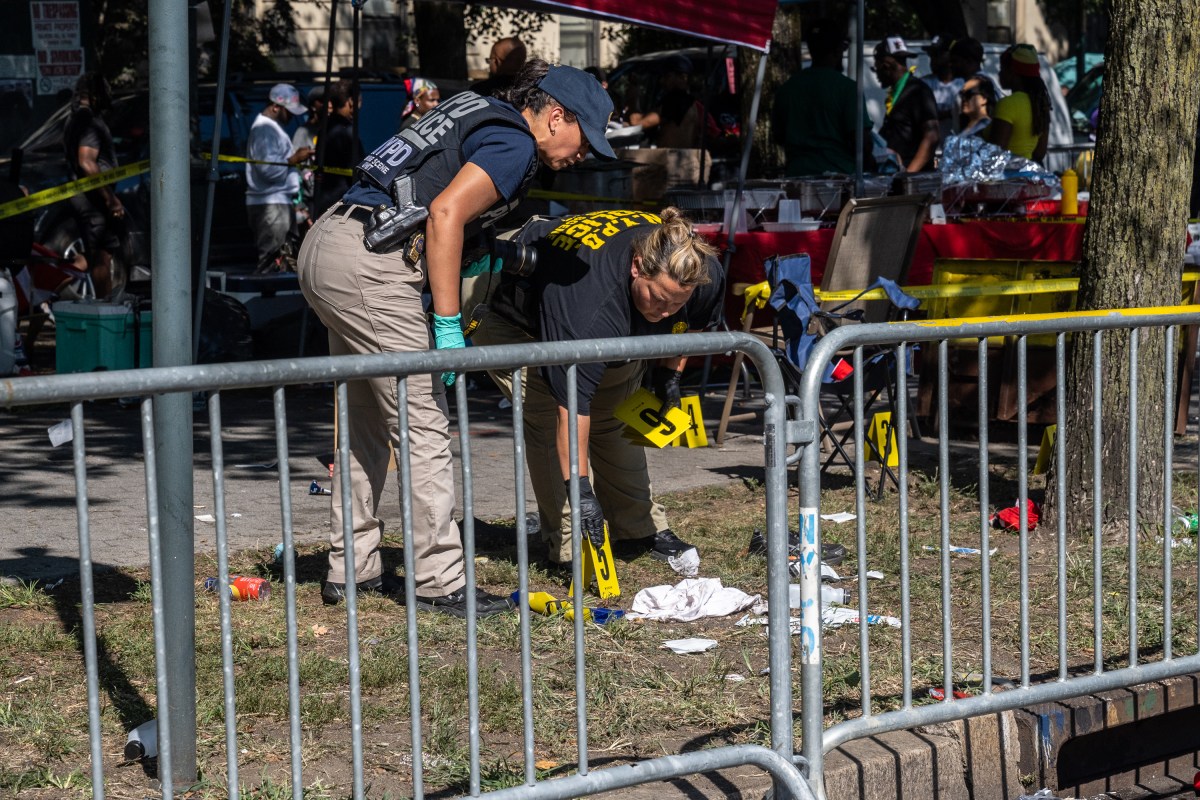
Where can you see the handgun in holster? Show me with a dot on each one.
(389, 228)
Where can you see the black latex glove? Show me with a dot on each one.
(666, 388)
(591, 516)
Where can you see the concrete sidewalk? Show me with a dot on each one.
(38, 524)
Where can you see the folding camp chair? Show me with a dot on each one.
(875, 239)
(873, 245)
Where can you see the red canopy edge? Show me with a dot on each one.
(742, 22)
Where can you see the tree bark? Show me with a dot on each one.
(441, 38)
(1133, 251)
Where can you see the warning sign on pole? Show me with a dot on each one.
(56, 42)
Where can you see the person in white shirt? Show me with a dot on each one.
(273, 184)
(942, 81)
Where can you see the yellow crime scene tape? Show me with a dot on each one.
(67, 190)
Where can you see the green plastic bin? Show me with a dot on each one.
(92, 336)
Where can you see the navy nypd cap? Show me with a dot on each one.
(583, 96)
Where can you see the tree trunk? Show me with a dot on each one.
(440, 29)
(1132, 254)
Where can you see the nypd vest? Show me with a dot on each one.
(431, 150)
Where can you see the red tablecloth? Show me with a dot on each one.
(1035, 241)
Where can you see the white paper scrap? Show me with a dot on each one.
(61, 433)
(961, 551)
(832, 617)
(733, 677)
(689, 600)
(686, 563)
(206, 518)
(828, 573)
(875, 575)
(693, 645)
(839, 517)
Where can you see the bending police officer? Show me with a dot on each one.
(417, 197)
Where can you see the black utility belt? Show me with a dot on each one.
(412, 247)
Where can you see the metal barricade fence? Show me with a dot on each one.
(779, 760)
(1068, 674)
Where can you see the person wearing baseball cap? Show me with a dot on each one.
(431, 191)
(271, 182)
(910, 124)
(1021, 123)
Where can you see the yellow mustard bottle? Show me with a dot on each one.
(1070, 193)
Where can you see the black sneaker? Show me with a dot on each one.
(832, 553)
(455, 603)
(667, 544)
(387, 585)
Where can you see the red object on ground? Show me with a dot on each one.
(1010, 518)
(842, 370)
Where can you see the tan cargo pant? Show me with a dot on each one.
(618, 467)
(372, 304)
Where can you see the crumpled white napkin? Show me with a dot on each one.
(686, 563)
(689, 600)
(687, 646)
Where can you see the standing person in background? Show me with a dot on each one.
(814, 113)
(966, 61)
(307, 131)
(977, 104)
(910, 126)
(425, 98)
(88, 147)
(1021, 123)
(944, 84)
(341, 148)
(680, 119)
(465, 165)
(504, 62)
(272, 186)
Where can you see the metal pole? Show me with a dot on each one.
(859, 64)
(170, 257)
(213, 177)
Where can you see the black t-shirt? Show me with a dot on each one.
(581, 290)
(85, 128)
(904, 128)
(342, 150)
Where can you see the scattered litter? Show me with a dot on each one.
(830, 575)
(1009, 519)
(142, 741)
(49, 587)
(1176, 543)
(690, 599)
(686, 646)
(765, 671)
(316, 488)
(840, 517)
(264, 465)
(482, 560)
(960, 551)
(278, 553)
(236, 515)
(940, 694)
(19, 681)
(206, 518)
(733, 677)
(545, 764)
(61, 433)
(832, 617)
(686, 563)
(548, 604)
(505, 404)
(319, 630)
(1040, 794)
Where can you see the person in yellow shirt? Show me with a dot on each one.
(1021, 123)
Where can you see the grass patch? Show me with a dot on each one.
(641, 700)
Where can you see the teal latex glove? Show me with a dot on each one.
(447, 335)
(484, 264)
